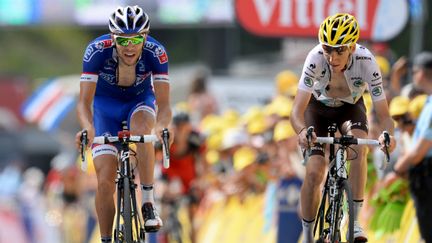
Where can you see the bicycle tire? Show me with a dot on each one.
(345, 187)
(127, 211)
(118, 234)
(319, 221)
(345, 198)
(136, 221)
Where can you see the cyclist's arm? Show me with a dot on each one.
(162, 92)
(299, 108)
(92, 62)
(85, 116)
(305, 88)
(158, 58)
(384, 119)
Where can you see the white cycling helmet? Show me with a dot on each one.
(129, 20)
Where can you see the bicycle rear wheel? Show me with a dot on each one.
(345, 209)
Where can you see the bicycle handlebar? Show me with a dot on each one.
(131, 138)
(124, 136)
(346, 140)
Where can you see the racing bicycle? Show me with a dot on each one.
(128, 226)
(337, 199)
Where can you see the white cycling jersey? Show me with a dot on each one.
(362, 73)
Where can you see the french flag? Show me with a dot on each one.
(48, 106)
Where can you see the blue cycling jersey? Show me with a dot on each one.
(113, 103)
(100, 65)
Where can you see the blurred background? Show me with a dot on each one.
(234, 66)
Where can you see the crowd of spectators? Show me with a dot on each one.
(217, 154)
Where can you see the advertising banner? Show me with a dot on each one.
(289, 223)
(379, 20)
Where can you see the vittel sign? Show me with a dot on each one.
(379, 20)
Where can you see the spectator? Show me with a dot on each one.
(201, 102)
(417, 162)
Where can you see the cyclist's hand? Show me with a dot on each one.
(90, 136)
(303, 139)
(158, 131)
(391, 146)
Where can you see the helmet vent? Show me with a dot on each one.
(129, 20)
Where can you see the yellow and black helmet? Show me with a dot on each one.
(339, 29)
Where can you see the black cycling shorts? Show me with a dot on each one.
(346, 117)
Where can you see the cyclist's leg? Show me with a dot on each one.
(310, 193)
(317, 115)
(105, 161)
(354, 121)
(357, 125)
(142, 120)
(106, 167)
(358, 167)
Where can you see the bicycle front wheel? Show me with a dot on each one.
(127, 211)
(346, 211)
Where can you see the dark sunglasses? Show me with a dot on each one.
(329, 49)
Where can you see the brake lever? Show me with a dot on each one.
(84, 143)
(386, 144)
(165, 148)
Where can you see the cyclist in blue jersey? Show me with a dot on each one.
(335, 75)
(124, 77)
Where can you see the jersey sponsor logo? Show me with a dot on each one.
(157, 51)
(317, 148)
(161, 55)
(103, 44)
(308, 74)
(373, 85)
(308, 82)
(90, 52)
(107, 43)
(311, 67)
(363, 58)
(85, 78)
(358, 83)
(109, 78)
(96, 47)
(376, 91)
(310, 70)
(141, 66)
(323, 73)
(149, 45)
(351, 124)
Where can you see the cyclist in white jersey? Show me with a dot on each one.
(335, 75)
